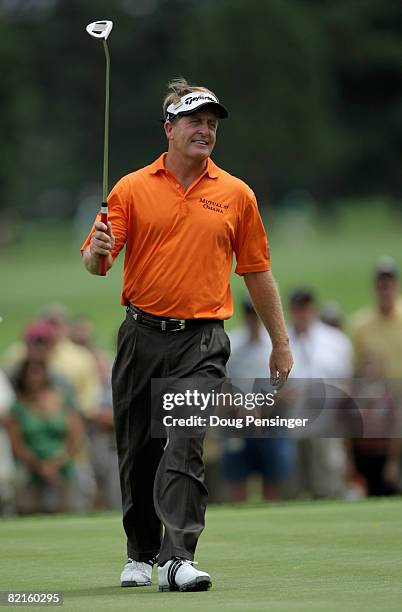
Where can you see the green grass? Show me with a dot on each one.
(323, 556)
(335, 256)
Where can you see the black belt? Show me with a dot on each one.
(166, 324)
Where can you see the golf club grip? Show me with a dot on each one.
(103, 258)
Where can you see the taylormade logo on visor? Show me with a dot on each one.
(191, 101)
(197, 98)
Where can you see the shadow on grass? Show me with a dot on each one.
(115, 591)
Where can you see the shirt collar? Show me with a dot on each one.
(212, 169)
(159, 166)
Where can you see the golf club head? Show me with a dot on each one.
(100, 29)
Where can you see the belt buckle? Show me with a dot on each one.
(131, 310)
(181, 322)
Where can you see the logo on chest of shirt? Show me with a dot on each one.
(214, 206)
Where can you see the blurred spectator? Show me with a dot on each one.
(100, 425)
(319, 352)
(331, 314)
(70, 366)
(271, 458)
(7, 468)
(377, 330)
(82, 333)
(39, 340)
(72, 362)
(373, 461)
(45, 432)
(377, 339)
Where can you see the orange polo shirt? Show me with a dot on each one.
(180, 244)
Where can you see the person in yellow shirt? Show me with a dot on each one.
(75, 362)
(377, 339)
(377, 331)
(48, 338)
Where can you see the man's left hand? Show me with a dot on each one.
(280, 364)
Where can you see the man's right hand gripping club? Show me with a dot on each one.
(102, 243)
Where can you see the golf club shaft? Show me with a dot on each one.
(104, 210)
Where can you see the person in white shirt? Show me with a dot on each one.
(7, 466)
(320, 352)
(272, 458)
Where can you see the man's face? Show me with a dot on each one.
(59, 325)
(81, 332)
(387, 288)
(193, 136)
(303, 314)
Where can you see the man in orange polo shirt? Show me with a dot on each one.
(181, 219)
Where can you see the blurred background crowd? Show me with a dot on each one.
(56, 406)
(314, 91)
(57, 446)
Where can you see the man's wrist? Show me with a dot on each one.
(282, 343)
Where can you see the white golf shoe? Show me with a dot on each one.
(135, 574)
(180, 575)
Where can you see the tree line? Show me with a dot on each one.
(313, 87)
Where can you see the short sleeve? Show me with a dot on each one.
(357, 335)
(7, 396)
(251, 242)
(118, 207)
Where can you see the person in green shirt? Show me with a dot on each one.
(45, 433)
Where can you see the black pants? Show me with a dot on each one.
(371, 467)
(161, 484)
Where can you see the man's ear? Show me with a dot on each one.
(168, 126)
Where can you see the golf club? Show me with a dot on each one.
(101, 30)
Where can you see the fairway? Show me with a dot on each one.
(336, 259)
(324, 556)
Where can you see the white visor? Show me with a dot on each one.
(193, 101)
